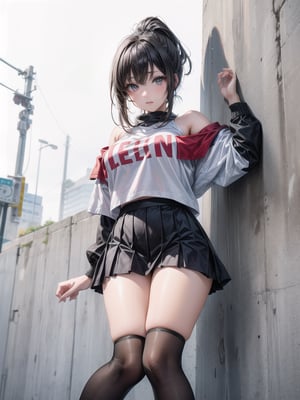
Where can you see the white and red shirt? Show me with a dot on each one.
(160, 161)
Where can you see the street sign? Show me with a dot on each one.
(6, 190)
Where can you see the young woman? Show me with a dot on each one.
(152, 261)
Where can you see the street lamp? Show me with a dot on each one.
(43, 145)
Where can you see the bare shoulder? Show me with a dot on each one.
(116, 134)
(192, 122)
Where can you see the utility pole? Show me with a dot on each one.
(63, 184)
(24, 123)
(23, 126)
(3, 213)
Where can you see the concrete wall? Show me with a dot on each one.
(48, 350)
(247, 341)
(248, 337)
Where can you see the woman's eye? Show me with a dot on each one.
(159, 80)
(132, 87)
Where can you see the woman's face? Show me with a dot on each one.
(152, 94)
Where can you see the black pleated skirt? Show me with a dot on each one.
(156, 233)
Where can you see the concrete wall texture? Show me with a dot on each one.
(246, 344)
(249, 335)
(48, 350)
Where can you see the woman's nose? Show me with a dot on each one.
(144, 92)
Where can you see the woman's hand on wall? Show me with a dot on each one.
(227, 85)
(70, 289)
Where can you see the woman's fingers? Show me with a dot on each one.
(226, 76)
(71, 288)
(64, 290)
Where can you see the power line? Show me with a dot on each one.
(67, 146)
(12, 66)
(7, 87)
(60, 128)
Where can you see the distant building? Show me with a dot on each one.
(32, 211)
(77, 195)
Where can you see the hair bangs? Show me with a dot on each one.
(142, 59)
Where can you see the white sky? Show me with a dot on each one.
(70, 44)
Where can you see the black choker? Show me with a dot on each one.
(154, 117)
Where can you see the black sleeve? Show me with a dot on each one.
(94, 251)
(247, 133)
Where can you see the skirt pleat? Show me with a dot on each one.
(155, 234)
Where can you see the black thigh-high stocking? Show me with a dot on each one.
(162, 363)
(114, 380)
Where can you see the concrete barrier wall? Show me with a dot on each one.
(246, 345)
(48, 350)
(248, 337)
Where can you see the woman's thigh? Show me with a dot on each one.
(177, 296)
(126, 299)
